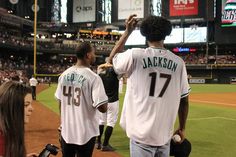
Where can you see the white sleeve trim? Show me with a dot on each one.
(101, 103)
(186, 94)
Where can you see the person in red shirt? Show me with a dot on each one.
(15, 110)
(1, 143)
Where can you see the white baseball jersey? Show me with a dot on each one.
(33, 82)
(81, 92)
(157, 79)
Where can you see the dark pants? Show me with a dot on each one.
(33, 92)
(70, 150)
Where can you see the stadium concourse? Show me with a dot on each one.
(42, 129)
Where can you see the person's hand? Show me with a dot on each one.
(59, 128)
(59, 133)
(131, 23)
(181, 133)
(104, 66)
(32, 155)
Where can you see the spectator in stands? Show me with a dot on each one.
(15, 78)
(15, 110)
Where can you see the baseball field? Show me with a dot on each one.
(211, 125)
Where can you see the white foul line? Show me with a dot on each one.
(212, 102)
(206, 118)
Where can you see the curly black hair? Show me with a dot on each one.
(155, 28)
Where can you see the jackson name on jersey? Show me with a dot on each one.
(159, 62)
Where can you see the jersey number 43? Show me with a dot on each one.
(72, 94)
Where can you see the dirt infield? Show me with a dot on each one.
(221, 99)
(42, 130)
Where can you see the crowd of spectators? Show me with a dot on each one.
(194, 59)
(226, 59)
(17, 75)
(200, 59)
(11, 69)
(14, 40)
(18, 68)
(10, 39)
(52, 68)
(22, 67)
(13, 62)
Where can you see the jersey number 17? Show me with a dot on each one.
(153, 76)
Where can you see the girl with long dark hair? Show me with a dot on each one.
(15, 110)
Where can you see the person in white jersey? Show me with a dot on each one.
(81, 95)
(33, 83)
(157, 89)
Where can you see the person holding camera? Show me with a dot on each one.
(15, 111)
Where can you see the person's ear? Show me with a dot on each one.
(88, 55)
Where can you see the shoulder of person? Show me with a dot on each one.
(176, 57)
(67, 71)
(137, 49)
(90, 74)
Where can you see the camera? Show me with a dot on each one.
(49, 149)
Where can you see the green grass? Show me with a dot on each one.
(48, 99)
(212, 88)
(210, 137)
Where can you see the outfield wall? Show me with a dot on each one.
(199, 74)
(212, 74)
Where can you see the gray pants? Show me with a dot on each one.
(143, 150)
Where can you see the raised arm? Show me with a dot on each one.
(130, 24)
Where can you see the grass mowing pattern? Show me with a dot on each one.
(48, 99)
(209, 137)
(212, 88)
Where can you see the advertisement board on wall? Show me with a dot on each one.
(224, 28)
(176, 36)
(195, 35)
(186, 11)
(183, 7)
(84, 11)
(187, 35)
(228, 10)
(126, 8)
(197, 81)
(233, 80)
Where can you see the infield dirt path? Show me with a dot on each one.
(221, 99)
(42, 130)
